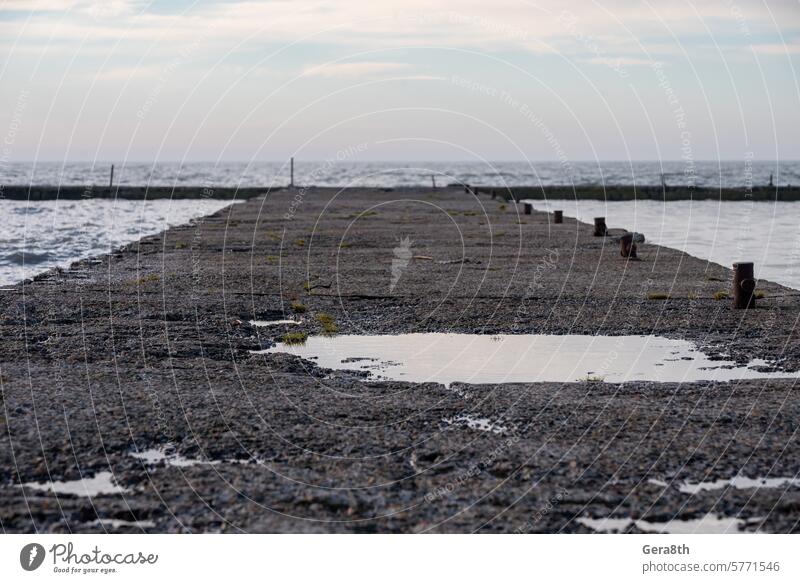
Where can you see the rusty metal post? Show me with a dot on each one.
(558, 217)
(627, 248)
(600, 229)
(528, 208)
(744, 284)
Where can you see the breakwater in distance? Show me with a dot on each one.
(163, 326)
(26, 192)
(589, 192)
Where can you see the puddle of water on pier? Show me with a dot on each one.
(156, 456)
(264, 323)
(477, 423)
(708, 524)
(738, 482)
(102, 483)
(708, 229)
(477, 358)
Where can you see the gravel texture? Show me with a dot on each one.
(150, 349)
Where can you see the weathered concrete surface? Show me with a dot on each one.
(150, 348)
(582, 192)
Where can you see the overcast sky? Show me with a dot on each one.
(410, 80)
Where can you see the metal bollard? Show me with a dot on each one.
(627, 248)
(558, 217)
(528, 208)
(744, 284)
(600, 229)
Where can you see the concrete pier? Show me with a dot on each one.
(149, 349)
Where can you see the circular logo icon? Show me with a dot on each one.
(31, 556)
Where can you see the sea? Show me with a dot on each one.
(766, 233)
(39, 235)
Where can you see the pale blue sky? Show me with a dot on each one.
(412, 80)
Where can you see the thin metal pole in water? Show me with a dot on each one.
(627, 246)
(291, 171)
(111, 180)
(744, 284)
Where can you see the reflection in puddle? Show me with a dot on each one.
(684, 225)
(477, 358)
(708, 524)
(101, 483)
(156, 456)
(264, 323)
(739, 482)
(478, 423)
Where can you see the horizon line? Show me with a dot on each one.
(489, 162)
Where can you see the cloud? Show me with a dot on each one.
(362, 69)
(561, 27)
(37, 5)
(420, 78)
(124, 73)
(94, 8)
